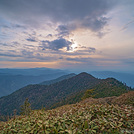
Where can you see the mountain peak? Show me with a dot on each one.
(85, 74)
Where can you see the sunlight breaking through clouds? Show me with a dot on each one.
(66, 31)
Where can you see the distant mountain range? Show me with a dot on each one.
(13, 79)
(62, 92)
(127, 78)
(31, 71)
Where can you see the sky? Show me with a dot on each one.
(67, 34)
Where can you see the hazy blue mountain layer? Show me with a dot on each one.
(124, 77)
(13, 79)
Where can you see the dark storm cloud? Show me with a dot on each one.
(88, 13)
(56, 44)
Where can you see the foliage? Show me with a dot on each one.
(80, 118)
(88, 93)
(25, 108)
(110, 87)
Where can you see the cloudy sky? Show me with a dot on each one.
(67, 34)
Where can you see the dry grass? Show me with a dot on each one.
(126, 98)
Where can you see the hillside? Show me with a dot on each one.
(66, 91)
(46, 95)
(124, 99)
(105, 88)
(127, 98)
(58, 79)
(88, 116)
(14, 79)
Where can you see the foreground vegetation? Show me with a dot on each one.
(80, 118)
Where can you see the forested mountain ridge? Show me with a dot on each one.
(47, 95)
(104, 88)
(58, 79)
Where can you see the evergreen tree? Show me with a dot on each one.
(25, 108)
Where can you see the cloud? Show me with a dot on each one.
(36, 56)
(3, 44)
(31, 39)
(100, 34)
(56, 44)
(7, 45)
(91, 49)
(9, 55)
(95, 23)
(65, 30)
(87, 13)
(12, 25)
(26, 55)
(62, 31)
(80, 59)
(17, 26)
(49, 35)
(86, 50)
(126, 25)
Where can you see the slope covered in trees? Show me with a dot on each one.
(58, 79)
(67, 91)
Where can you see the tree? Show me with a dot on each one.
(25, 108)
(88, 93)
